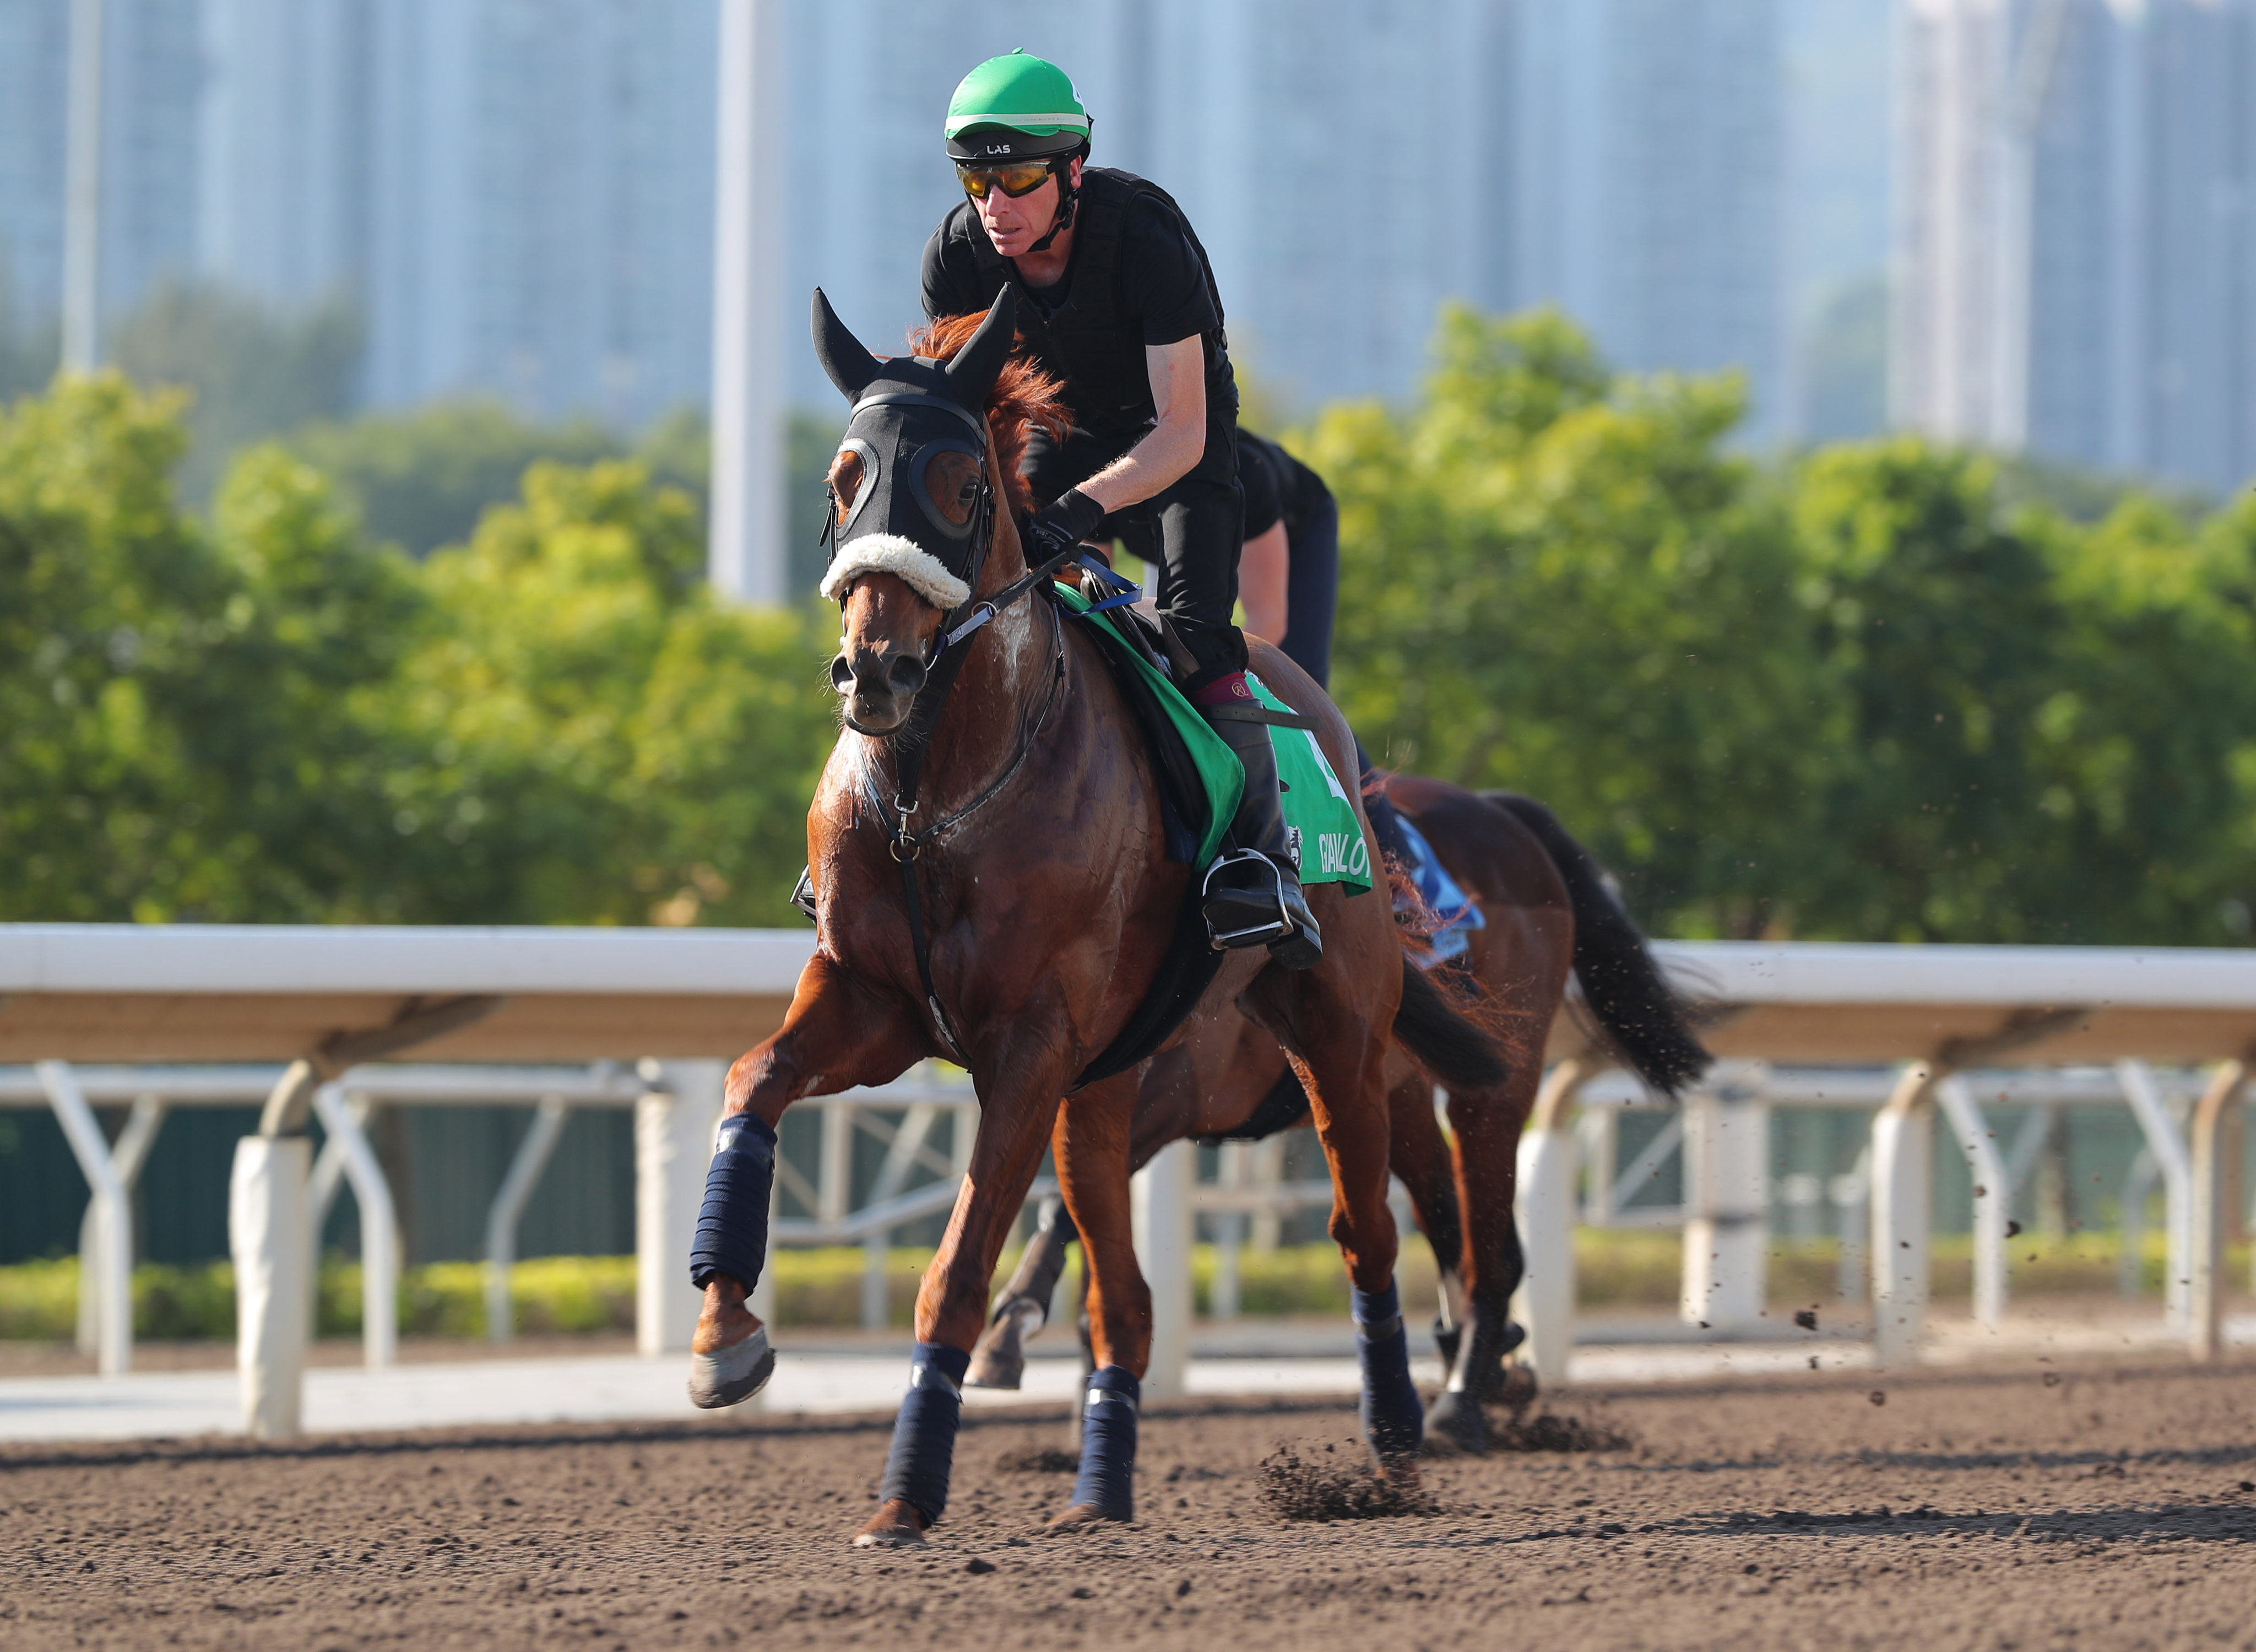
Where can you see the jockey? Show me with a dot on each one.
(1117, 301)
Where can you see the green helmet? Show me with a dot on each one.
(1016, 108)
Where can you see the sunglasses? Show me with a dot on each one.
(1022, 178)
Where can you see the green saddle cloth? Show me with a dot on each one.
(1326, 838)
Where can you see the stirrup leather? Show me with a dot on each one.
(1254, 935)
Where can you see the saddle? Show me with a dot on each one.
(1200, 781)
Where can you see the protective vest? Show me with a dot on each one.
(1087, 340)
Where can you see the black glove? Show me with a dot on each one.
(1060, 525)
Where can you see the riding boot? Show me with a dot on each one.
(1379, 808)
(1252, 894)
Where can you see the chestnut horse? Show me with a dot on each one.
(991, 885)
(1548, 911)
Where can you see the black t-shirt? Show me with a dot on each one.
(1277, 486)
(1161, 295)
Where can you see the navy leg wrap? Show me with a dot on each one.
(732, 1228)
(1108, 1444)
(924, 1435)
(1394, 1418)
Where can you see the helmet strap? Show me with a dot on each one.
(1068, 194)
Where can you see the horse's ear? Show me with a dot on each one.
(844, 357)
(971, 373)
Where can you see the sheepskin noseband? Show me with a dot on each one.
(917, 567)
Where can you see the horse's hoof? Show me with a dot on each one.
(999, 1360)
(1455, 1423)
(1515, 1388)
(734, 1373)
(895, 1526)
(1082, 1515)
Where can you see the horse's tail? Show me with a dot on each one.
(1448, 1045)
(1640, 1013)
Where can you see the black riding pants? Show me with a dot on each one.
(1191, 532)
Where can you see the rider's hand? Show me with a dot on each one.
(1060, 525)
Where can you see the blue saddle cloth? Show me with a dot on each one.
(1443, 897)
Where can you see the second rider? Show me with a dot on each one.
(1117, 301)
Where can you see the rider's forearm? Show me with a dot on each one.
(1176, 442)
(1153, 465)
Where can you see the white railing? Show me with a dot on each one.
(902, 1116)
(331, 1000)
(1720, 1135)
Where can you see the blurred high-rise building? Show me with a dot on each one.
(515, 193)
(518, 193)
(153, 88)
(1349, 166)
(2076, 261)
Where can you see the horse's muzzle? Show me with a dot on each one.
(877, 687)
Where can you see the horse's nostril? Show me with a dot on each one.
(905, 675)
(842, 675)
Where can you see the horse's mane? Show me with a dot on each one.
(1024, 397)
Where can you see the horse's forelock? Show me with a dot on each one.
(1024, 397)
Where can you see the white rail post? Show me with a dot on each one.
(269, 1234)
(1993, 1197)
(835, 1180)
(673, 1146)
(1161, 1209)
(1727, 1189)
(113, 1216)
(549, 1118)
(1545, 1211)
(271, 1238)
(1903, 1200)
(2205, 1322)
(2169, 1149)
(379, 1230)
(127, 1154)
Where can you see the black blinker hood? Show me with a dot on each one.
(907, 411)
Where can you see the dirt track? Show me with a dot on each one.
(2098, 1505)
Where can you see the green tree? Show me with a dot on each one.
(1878, 693)
(107, 603)
(1938, 625)
(1556, 580)
(605, 743)
(176, 733)
(268, 718)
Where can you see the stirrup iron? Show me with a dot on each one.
(1279, 929)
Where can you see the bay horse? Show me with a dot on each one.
(1012, 915)
(1549, 911)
